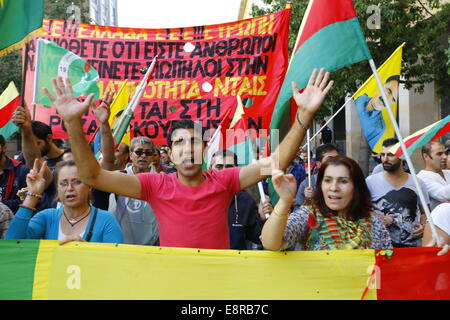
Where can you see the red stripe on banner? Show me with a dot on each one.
(412, 274)
(324, 13)
(7, 111)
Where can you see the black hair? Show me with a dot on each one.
(40, 129)
(393, 78)
(225, 153)
(323, 149)
(2, 140)
(182, 124)
(390, 142)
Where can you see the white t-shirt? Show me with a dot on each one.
(438, 187)
(402, 203)
(62, 235)
(441, 217)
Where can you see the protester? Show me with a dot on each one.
(136, 217)
(326, 135)
(6, 215)
(245, 219)
(304, 192)
(191, 206)
(122, 156)
(157, 163)
(12, 178)
(165, 159)
(396, 201)
(340, 216)
(434, 177)
(37, 143)
(447, 152)
(441, 219)
(76, 220)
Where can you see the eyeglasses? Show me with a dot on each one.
(73, 183)
(147, 153)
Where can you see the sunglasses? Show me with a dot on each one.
(146, 152)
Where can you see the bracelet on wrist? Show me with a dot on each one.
(27, 207)
(300, 123)
(34, 195)
(281, 216)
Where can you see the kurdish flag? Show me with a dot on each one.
(373, 115)
(9, 101)
(420, 138)
(54, 61)
(20, 20)
(330, 37)
(45, 270)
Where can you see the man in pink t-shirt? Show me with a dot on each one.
(191, 206)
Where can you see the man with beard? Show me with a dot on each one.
(396, 201)
(13, 176)
(435, 178)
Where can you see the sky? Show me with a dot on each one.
(175, 13)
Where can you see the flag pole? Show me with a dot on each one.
(328, 121)
(36, 75)
(405, 151)
(128, 112)
(309, 158)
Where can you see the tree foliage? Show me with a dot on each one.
(423, 25)
(11, 64)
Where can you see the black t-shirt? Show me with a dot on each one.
(326, 135)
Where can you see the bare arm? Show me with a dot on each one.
(308, 102)
(102, 113)
(274, 228)
(30, 149)
(90, 171)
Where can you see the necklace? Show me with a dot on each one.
(73, 222)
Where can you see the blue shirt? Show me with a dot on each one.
(45, 225)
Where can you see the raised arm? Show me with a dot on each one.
(308, 102)
(275, 227)
(90, 171)
(102, 113)
(30, 149)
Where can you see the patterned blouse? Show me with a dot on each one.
(297, 232)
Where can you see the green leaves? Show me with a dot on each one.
(421, 24)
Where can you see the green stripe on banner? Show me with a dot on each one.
(332, 48)
(17, 264)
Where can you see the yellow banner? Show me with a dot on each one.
(374, 117)
(108, 271)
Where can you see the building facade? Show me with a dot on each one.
(103, 12)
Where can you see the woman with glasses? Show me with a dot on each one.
(76, 220)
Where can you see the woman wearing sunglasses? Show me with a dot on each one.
(76, 220)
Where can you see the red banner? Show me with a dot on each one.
(199, 72)
(413, 274)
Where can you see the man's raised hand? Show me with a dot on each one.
(312, 97)
(66, 104)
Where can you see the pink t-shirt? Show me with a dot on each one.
(192, 217)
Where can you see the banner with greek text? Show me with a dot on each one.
(199, 72)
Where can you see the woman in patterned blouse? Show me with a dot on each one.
(339, 217)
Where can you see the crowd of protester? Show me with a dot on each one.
(145, 194)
